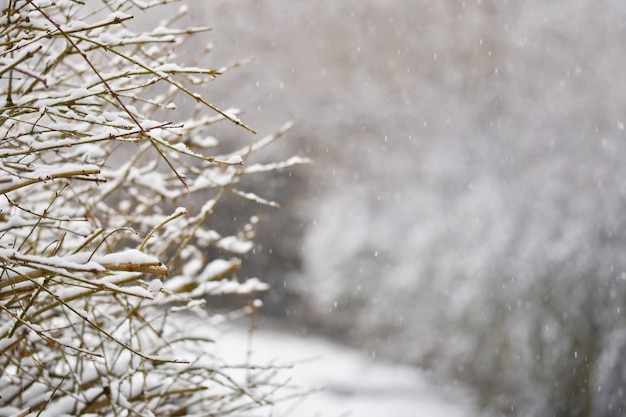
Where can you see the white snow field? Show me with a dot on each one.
(348, 382)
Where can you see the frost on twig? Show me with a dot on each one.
(105, 202)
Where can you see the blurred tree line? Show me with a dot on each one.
(466, 209)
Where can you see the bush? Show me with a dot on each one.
(101, 198)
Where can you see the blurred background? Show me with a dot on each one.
(465, 211)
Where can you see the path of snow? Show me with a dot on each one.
(355, 384)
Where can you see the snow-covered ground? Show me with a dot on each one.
(350, 382)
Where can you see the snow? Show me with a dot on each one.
(235, 245)
(180, 211)
(235, 160)
(135, 291)
(155, 286)
(204, 142)
(14, 221)
(180, 147)
(295, 160)
(48, 172)
(257, 199)
(130, 256)
(54, 262)
(217, 268)
(232, 114)
(224, 286)
(118, 15)
(77, 25)
(348, 382)
(252, 286)
(109, 38)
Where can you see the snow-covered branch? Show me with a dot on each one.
(105, 190)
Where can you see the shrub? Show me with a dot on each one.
(102, 197)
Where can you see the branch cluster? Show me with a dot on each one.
(96, 186)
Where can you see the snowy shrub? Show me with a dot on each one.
(522, 298)
(102, 196)
(486, 240)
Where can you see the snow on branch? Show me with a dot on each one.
(106, 192)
